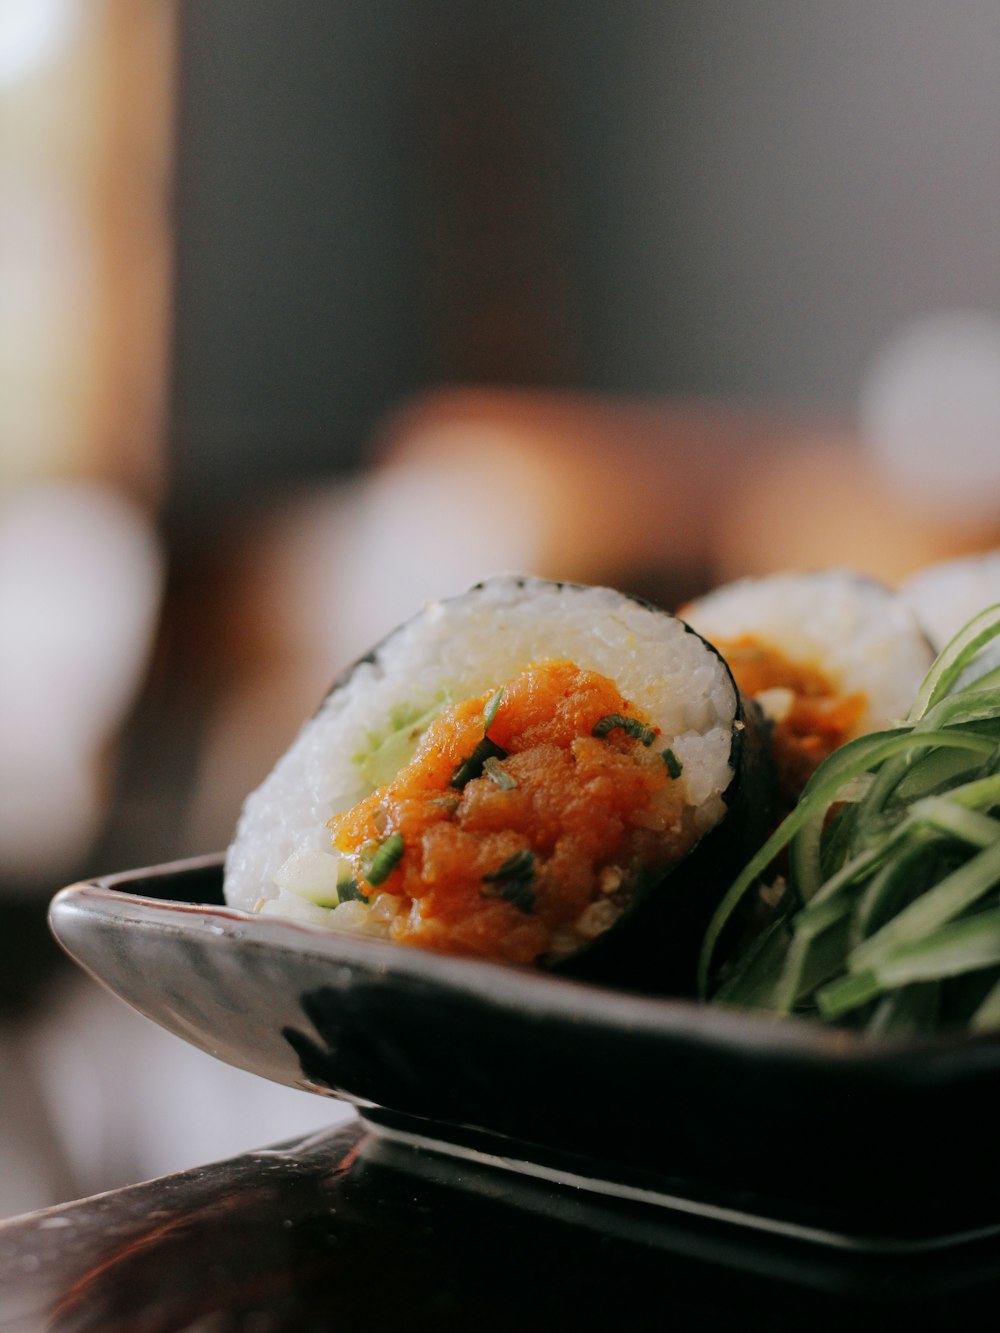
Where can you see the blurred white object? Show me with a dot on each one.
(80, 583)
(930, 414)
(33, 33)
(127, 1101)
(431, 528)
(946, 596)
(34, 1170)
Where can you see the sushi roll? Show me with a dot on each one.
(531, 772)
(944, 597)
(828, 656)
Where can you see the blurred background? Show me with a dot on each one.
(311, 311)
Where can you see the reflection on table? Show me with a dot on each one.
(352, 1230)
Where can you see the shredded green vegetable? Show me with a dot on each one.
(492, 708)
(380, 857)
(348, 891)
(886, 873)
(474, 764)
(513, 881)
(494, 770)
(674, 765)
(630, 725)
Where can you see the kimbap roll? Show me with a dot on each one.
(520, 773)
(944, 597)
(828, 656)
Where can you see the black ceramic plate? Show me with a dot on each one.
(777, 1124)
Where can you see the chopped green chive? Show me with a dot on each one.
(630, 725)
(513, 881)
(472, 767)
(497, 774)
(348, 892)
(674, 765)
(491, 709)
(379, 858)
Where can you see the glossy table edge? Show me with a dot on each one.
(78, 1265)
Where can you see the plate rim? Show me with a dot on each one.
(738, 1032)
(705, 1046)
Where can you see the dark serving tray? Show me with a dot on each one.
(779, 1125)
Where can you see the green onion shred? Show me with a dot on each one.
(380, 857)
(889, 921)
(491, 709)
(674, 765)
(494, 770)
(513, 881)
(630, 725)
(348, 891)
(474, 764)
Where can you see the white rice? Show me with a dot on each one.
(469, 645)
(946, 596)
(862, 636)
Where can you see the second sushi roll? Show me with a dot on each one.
(532, 772)
(828, 655)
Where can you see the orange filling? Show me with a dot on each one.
(536, 851)
(819, 718)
